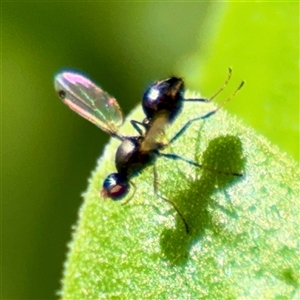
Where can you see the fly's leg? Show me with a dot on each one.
(215, 94)
(155, 185)
(205, 116)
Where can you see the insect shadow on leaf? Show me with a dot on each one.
(196, 200)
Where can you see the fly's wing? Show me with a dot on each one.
(88, 100)
(155, 136)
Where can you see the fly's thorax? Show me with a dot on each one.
(130, 158)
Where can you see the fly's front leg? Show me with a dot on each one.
(155, 186)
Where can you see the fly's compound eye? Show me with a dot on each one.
(115, 187)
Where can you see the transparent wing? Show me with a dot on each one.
(89, 100)
(155, 136)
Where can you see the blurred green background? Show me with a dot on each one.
(48, 152)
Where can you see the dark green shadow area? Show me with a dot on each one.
(225, 155)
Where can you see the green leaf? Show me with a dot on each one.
(244, 232)
(244, 239)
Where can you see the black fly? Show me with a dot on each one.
(162, 103)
